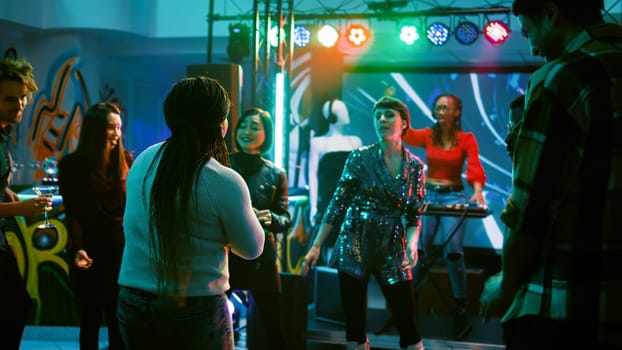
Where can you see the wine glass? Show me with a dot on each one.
(47, 190)
(48, 187)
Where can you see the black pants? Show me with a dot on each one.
(268, 306)
(15, 302)
(400, 298)
(91, 312)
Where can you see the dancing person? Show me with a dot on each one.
(559, 286)
(92, 183)
(17, 85)
(447, 149)
(253, 135)
(382, 187)
(185, 209)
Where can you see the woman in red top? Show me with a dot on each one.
(447, 149)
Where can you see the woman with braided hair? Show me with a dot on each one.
(185, 210)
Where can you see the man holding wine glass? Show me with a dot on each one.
(16, 87)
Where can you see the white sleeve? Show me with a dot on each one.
(242, 228)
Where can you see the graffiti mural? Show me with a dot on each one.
(42, 259)
(54, 130)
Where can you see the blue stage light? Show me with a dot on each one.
(466, 33)
(438, 33)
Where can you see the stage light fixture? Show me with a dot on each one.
(239, 44)
(496, 32)
(408, 34)
(437, 33)
(328, 35)
(357, 34)
(466, 32)
(302, 36)
(273, 36)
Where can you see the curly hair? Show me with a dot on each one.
(18, 70)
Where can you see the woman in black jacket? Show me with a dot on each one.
(268, 188)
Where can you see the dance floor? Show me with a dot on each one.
(321, 334)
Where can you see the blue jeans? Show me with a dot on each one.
(453, 252)
(148, 321)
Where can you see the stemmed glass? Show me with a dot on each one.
(48, 188)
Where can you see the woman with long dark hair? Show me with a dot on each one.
(92, 183)
(185, 210)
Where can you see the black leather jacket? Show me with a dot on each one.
(268, 187)
(267, 184)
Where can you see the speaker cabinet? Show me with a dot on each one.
(326, 296)
(230, 77)
(437, 297)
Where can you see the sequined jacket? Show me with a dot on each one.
(375, 207)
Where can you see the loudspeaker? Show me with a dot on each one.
(437, 297)
(230, 77)
(326, 296)
(327, 67)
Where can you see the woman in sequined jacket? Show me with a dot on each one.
(267, 184)
(382, 187)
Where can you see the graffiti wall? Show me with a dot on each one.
(42, 259)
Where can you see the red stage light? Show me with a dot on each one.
(496, 32)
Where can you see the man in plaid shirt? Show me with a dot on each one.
(560, 286)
